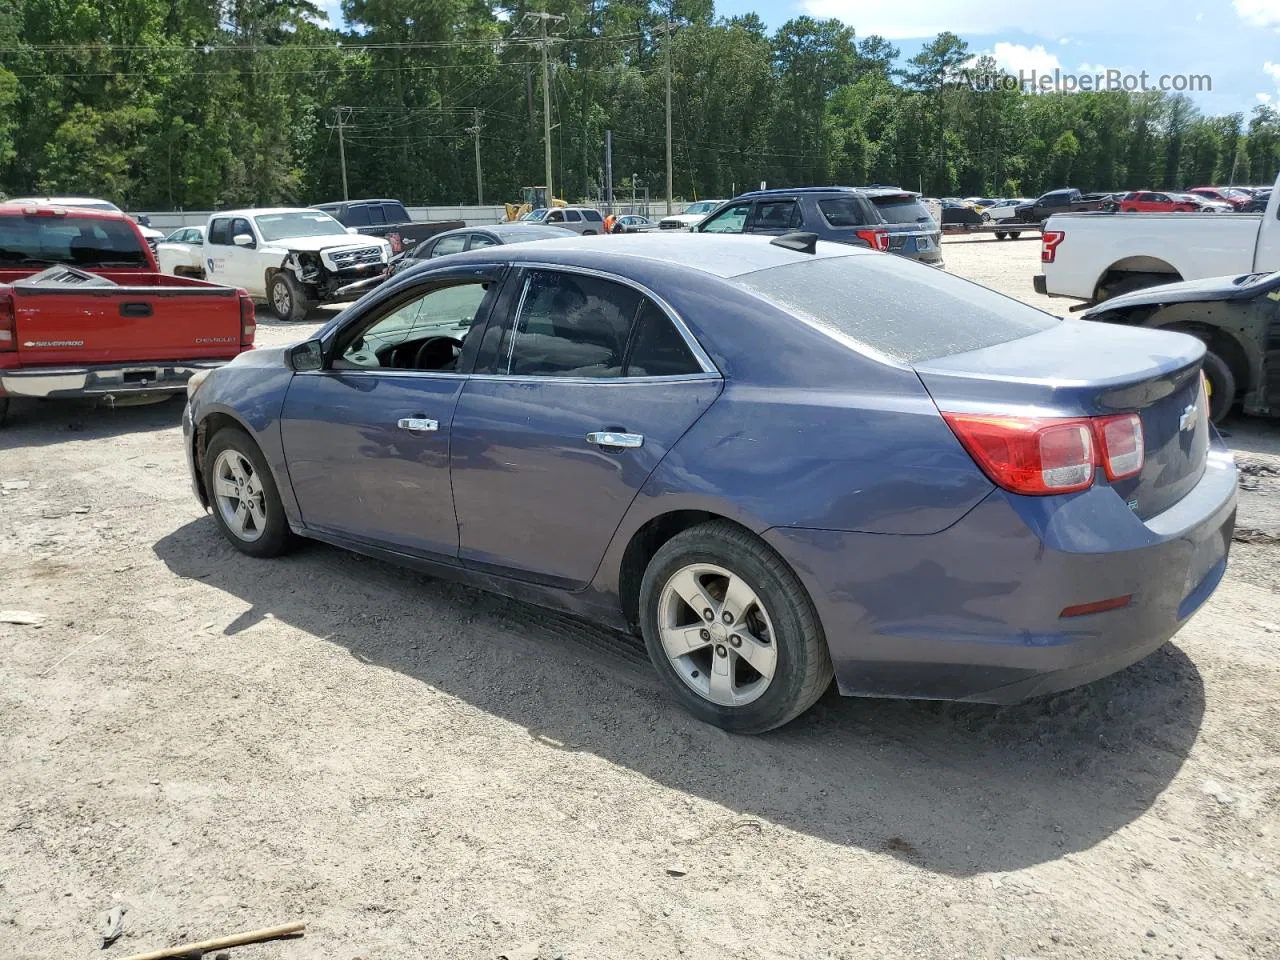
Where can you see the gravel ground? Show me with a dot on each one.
(419, 770)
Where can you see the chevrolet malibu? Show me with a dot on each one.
(778, 460)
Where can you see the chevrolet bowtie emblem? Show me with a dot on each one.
(1188, 418)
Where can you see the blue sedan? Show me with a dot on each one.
(779, 460)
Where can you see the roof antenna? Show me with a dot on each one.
(798, 240)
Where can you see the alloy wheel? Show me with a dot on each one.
(281, 298)
(717, 634)
(237, 490)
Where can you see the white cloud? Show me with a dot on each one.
(1274, 70)
(926, 18)
(1018, 59)
(1263, 97)
(1261, 13)
(1064, 40)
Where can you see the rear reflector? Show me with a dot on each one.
(1049, 243)
(1029, 455)
(1098, 606)
(1123, 450)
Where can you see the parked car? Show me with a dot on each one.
(981, 502)
(1005, 209)
(292, 258)
(960, 212)
(87, 203)
(475, 238)
(1067, 200)
(884, 218)
(583, 220)
(1237, 318)
(1259, 202)
(1148, 201)
(181, 253)
(934, 206)
(633, 223)
(86, 312)
(1233, 196)
(388, 219)
(693, 215)
(1095, 258)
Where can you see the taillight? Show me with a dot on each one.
(8, 325)
(1122, 447)
(248, 320)
(1049, 244)
(875, 239)
(1029, 455)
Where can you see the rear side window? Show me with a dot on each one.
(592, 215)
(570, 325)
(220, 232)
(903, 209)
(450, 244)
(843, 212)
(573, 216)
(776, 215)
(895, 307)
(657, 349)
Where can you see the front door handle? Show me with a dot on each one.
(619, 441)
(417, 424)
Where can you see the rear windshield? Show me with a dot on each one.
(81, 242)
(901, 209)
(903, 310)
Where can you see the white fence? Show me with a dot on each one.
(472, 216)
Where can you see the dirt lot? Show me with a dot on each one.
(420, 770)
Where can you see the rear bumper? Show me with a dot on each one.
(973, 612)
(102, 380)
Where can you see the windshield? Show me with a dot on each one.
(895, 307)
(303, 223)
(702, 206)
(80, 242)
(536, 216)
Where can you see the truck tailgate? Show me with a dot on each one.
(160, 320)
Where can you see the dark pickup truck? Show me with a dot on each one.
(1063, 201)
(85, 311)
(387, 219)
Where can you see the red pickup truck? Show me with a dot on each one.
(86, 312)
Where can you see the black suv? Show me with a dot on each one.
(884, 218)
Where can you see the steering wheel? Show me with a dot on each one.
(437, 353)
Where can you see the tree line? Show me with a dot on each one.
(198, 104)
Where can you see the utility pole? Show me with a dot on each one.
(665, 30)
(342, 146)
(475, 129)
(542, 18)
(608, 170)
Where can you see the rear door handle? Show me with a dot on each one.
(609, 438)
(417, 424)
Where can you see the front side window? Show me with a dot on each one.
(450, 244)
(424, 334)
(240, 226)
(732, 219)
(375, 213)
(357, 216)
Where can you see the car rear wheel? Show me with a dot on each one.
(287, 298)
(1221, 386)
(243, 495)
(731, 631)
(1000, 234)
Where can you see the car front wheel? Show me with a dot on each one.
(288, 300)
(731, 631)
(243, 495)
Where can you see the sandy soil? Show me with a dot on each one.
(419, 770)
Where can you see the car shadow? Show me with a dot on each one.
(959, 789)
(39, 423)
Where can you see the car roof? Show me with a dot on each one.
(873, 192)
(723, 256)
(16, 208)
(353, 203)
(261, 211)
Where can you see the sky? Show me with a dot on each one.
(1235, 42)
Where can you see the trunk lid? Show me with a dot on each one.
(68, 320)
(1080, 369)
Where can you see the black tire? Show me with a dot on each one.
(1222, 386)
(1000, 234)
(275, 536)
(803, 666)
(1016, 234)
(287, 298)
(4, 409)
(1136, 281)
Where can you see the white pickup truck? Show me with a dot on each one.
(1096, 256)
(293, 259)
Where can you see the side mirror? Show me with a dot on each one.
(306, 356)
(243, 240)
(353, 230)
